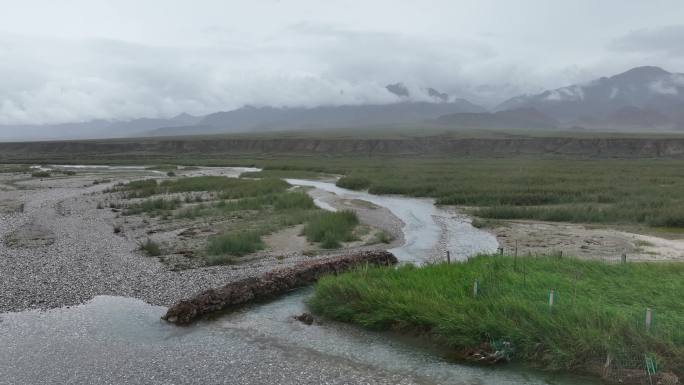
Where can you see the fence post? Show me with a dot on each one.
(649, 318)
(448, 257)
(476, 287)
(552, 295)
(624, 258)
(501, 251)
(515, 257)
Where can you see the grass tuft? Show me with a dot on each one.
(40, 174)
(331, 228)
(151, 248)
(237, 243)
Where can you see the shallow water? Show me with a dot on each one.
(429, 231)
(123, 340)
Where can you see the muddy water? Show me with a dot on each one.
(122, 340)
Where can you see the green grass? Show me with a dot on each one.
(599, 307)
(154, 206)
(14, 168)
(151, 248)
(538, 185)
(354, 182)
(138, 188)
(643, 192)
(331, 228)
(381, 237)
(284, 173)
(227, 188)
(285, 201)
(40, 174)
(236, 243)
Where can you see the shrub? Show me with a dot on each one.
(331, 228)
(293, 200)
(354, 183)
(40, 174)
(383, 237)
(154, 206)
(151, 248)
(235, 243)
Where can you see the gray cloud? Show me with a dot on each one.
(667, 40)
(99, 59)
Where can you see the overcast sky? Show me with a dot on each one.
(76, 60)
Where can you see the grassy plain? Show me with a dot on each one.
(644, 192)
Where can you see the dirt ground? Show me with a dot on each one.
(540, 238)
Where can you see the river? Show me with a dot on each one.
(122, 340)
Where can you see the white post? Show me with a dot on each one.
(649, 318)
(476, 286)
(551, 297)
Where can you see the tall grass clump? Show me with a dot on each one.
(293, 200)
(331, 228)
(237, 243)
(151, 248)
(153, 206)
(139, 188)
(599, 308)
(354, 182)
(40, 174)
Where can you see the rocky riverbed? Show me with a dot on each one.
(57, 248)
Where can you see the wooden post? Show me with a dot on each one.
(624, 258)
(448, 257)
(552, 295)
(649, 318)
(476, 287)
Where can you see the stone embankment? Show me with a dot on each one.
(270, 285)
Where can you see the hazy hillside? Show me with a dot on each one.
(522, 118)
(409, 109)
(95, 129)
(641, 99)
(270, 118)
(647, 97)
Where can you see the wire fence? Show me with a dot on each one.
(624, 365)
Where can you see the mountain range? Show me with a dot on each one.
(642, 98)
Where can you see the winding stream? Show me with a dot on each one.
(122, 340)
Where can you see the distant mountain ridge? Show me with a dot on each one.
(641, 97)
(271, 118)
(95, 128)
